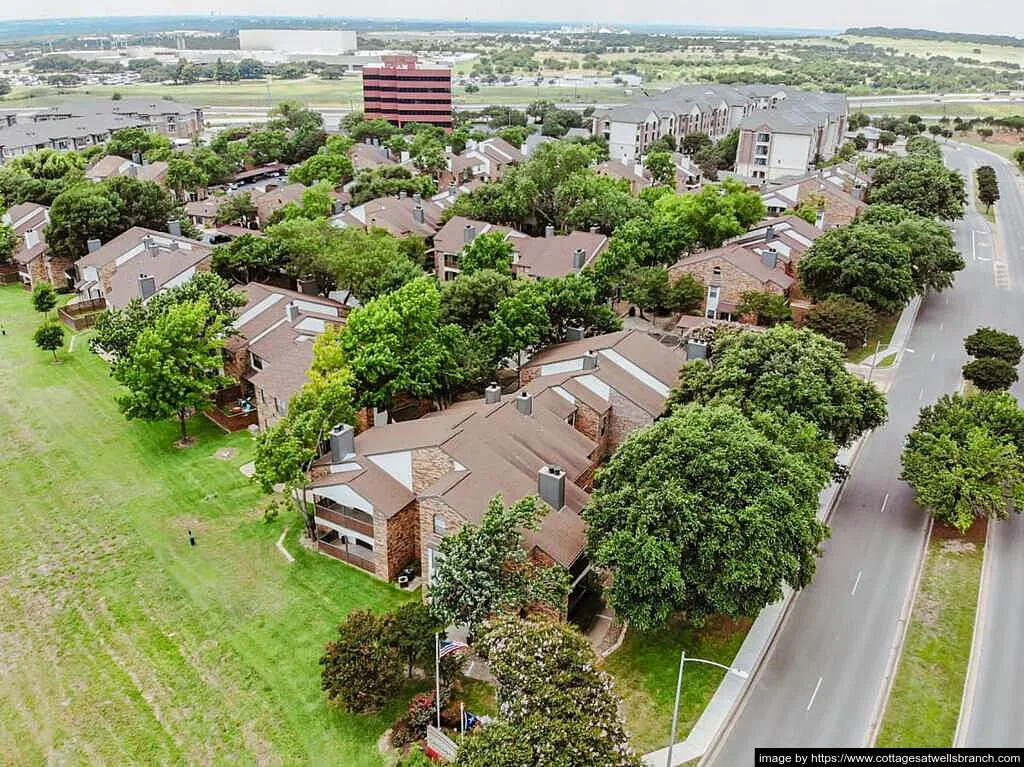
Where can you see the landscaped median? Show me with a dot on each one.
(924, 703)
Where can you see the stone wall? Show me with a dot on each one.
(401, 543)
(626, 418)
(734, 282)
(453, 522)
(429, 464)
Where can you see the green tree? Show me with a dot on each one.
(694, 142)
(470, 300)
(237, 209)
(361, 670)
(842, 319)
(702, 512)
(934, 258)
(389, 180)
(990, 373)
(557, 705)
(586, 199)
(370, 264)
(989, 342)
(988, 186)
(128, 141)
(784, 371)
(285, 450)
(769, 308)
(395, 345)
(167, 369)
(661, 167)
(650, 288)
(40, 176)
(266, 146)
(8, 242)
(963, 458)
(44, 298)
(49, 337)
(78, 214)
(412, 632)
(921, 184)
(1018, 157)
(861, 261)
(687, 293)
(715, 213)
(333, 168)
(484, 570)
(487, 251)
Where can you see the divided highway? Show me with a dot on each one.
(823, 680)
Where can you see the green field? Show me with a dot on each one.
(924, 704)
(1003, 150)
(645, 670)
(950, 110)
(952, 49)
(121, 644)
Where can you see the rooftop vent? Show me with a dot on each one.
(492, 394)
(147, 286)
(343, 442)
(551, 486)
(590, 360)
(524, 403)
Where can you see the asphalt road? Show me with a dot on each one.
(996, 717)
(822, 682)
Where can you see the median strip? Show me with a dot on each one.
(924, 703)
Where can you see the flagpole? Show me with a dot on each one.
(437, 676)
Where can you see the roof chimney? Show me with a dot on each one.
(137, 158)
(551, 486)
(93, 245)
(524, 403)
(417, 214)
(769, 258)
(174, 227)
(594, 229)
(343, 442)
(147, 286)
(452, 186)
(307, 285)
(291, 312)
(696, 350)
(590, 360)
(575, 333)
(149, 245)
(579, 258)
(549, 231)
(31, 238)
(402, 194)
(819, 219)
(492, 394)
(769, 233)
(337, 206)
(133, 171)
(418, 197)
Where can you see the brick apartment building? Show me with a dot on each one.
(401, 92)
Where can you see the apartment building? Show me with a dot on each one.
(385, 498)
(81, 123)
(401, 215)
(139, 263)
(270, 353)
(400, 91)
(715, 110)
(789, 138)
(837, 197)
(112, 165)
(29, 220)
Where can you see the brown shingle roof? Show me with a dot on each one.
(164, 264)
(396, 215)
(744, 260)
(553, 256)
(107, 167)
(451, 238)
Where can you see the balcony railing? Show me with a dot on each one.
(348, 554)
(350, 520)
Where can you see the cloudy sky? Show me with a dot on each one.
(989, 16)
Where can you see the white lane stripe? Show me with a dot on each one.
(933, 357)
(920, 394)
(885, 501)
(856, 583)
(814, 694)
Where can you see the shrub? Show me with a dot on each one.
(842, 319)
(990, 374)
(362, 670)
(989, 342)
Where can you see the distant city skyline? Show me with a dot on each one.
(993, 17)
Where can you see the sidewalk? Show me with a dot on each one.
(899, 336)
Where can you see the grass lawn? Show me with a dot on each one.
(1000, 148)
(947, 109)
(881, 337)
(925, 701)
(888, 361)
(122, 644)
(645, 670)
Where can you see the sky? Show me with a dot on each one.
(981, 16)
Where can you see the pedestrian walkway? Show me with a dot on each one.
(900, 335)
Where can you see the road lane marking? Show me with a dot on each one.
(942, 325)
(974, 252)
(909, 350)
(814, 694)
(932, 357)
(856, 583)
(920, 394)
(884, 501)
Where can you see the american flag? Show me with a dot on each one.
(448, 647)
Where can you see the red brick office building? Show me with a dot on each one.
(401, 92)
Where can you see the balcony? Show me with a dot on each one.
(331, 545)
(350, 519)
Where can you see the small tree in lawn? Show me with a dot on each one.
(44, 298)
(49, 337)
(989, 342)
(412, 632)
(964, 458)
(168, 369)
(990, 373)
(362, 669)
(484, 570)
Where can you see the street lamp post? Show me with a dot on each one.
(683, 660)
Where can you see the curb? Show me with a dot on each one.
(896, 651)
(963, 722)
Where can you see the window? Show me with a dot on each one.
(255, 361)
(439, 524)
(361, 544)
(763, 138)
